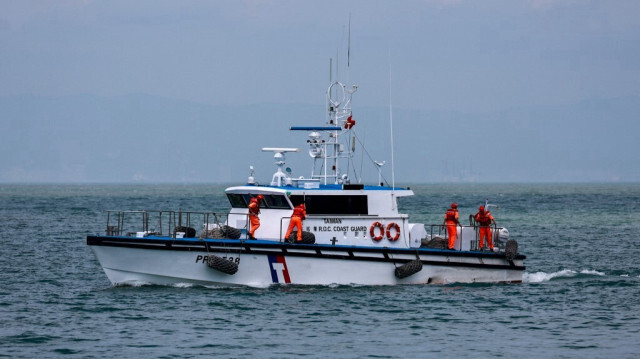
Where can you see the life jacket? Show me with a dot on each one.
(451, 215)
(254, 207)
(484, 218)
(299, 211)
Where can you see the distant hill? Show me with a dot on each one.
(140, 138)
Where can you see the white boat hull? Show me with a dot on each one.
(260, 264)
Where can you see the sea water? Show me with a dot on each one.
(580, 296)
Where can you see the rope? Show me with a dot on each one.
(369, 156)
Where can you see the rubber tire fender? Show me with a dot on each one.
(188, 231)
(222, 265)
(307, 238)
(511, 249)
(408, 269)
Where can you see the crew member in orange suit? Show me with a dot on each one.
(451, 220)
(254, 211)
(299, 213)
(484, 219)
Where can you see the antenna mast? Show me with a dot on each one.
(330, 150)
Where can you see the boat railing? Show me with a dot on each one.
(281, 236)
(176, 224)
(440, 230)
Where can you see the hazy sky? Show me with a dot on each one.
(465, 56)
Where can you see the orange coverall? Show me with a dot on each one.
(451, 220)
(484, 219)
(298, 215)
(254, 210)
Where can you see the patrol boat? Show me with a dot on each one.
(353, 233)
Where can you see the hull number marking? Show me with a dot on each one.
(205, 259)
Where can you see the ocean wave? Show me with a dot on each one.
(592, 272)
(182, 285)
(539, 277)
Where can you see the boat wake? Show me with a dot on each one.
(540, 277)
(137, 283)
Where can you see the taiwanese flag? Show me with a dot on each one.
(350, 123)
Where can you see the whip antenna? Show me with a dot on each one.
(393, 172)
(349, 42)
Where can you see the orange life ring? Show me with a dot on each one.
(397, 228)
(372, 231)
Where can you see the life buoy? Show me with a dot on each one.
(397, 228)
(372, 231)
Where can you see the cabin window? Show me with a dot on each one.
(247, 198)
(236, 200)
(275, 201)
(345, 205)
(296, 200)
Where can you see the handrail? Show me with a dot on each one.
(281, 227)
(169, 220)
(476, 227)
